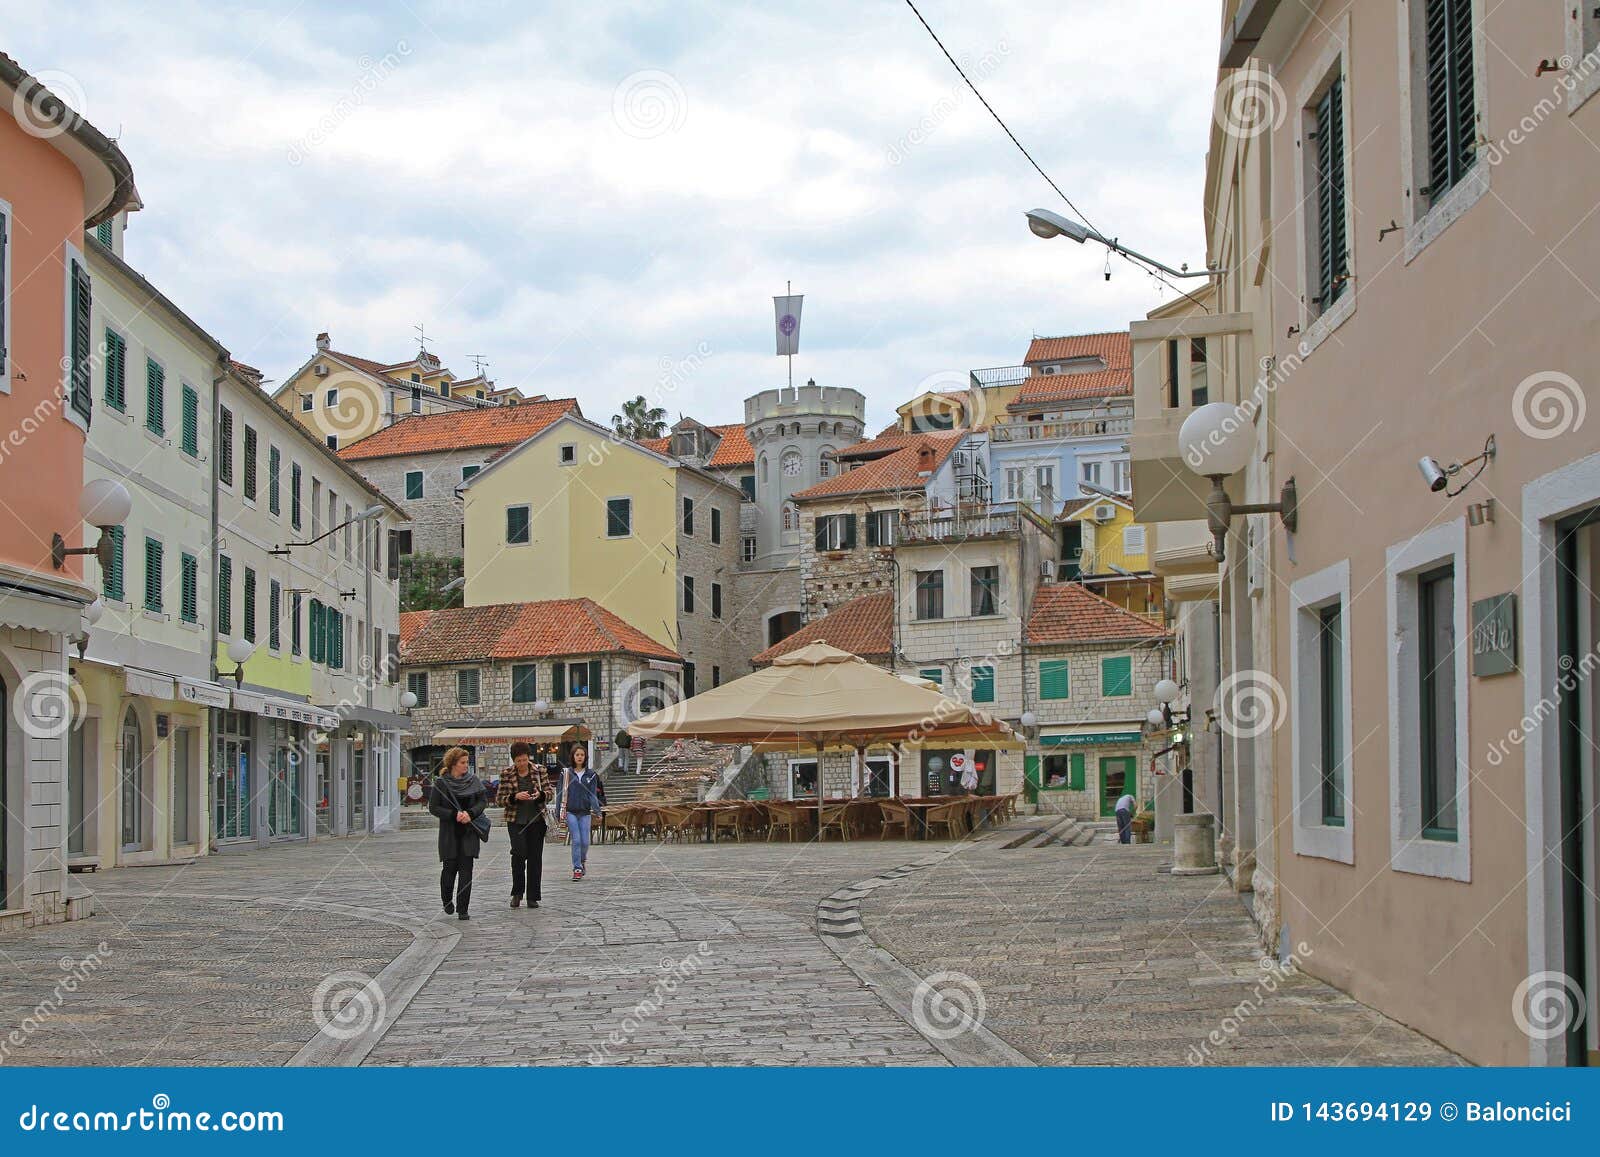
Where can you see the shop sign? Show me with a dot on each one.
(1091, 739)
(1494, 635)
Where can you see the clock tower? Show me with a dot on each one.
(795, 433)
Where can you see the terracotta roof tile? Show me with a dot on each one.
(1041, 389)
(863, 626)
(1071, 613)
(410, 623)
(494, 426)
(549, 629)
(733, 450)
(890, 440)
(901, 470)
(1113, 347)
(659, 445)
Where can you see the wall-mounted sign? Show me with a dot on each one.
(1494, 635)
(163, 725)
(1086, 739)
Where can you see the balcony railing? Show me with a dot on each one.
(961, 525)
(1000, 376)
(1064, 428)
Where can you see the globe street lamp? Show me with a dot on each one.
(239, 653)
(1216, 441)
(105, 503)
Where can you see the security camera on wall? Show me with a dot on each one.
(1433, 473)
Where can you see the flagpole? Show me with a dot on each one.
(788, 291)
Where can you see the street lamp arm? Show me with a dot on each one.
(1112, 244)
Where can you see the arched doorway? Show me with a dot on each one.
(132, 783)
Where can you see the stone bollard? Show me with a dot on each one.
(1194, 845)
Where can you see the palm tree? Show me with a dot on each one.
(640, 420)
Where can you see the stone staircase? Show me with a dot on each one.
(1062, 832)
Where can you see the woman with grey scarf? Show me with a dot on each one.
(458, 798)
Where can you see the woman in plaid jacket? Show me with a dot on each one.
(524, 790)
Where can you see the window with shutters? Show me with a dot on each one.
(688, 518)
(985, 590)
(319, 650)
(225, 446)
(249, 604)
(716, 600)
(930, 594)
(296, 639)
(1441, 135)
(417, 684)
(224, 595)
(155, 396)
(577, 680)
(880, 527)
(933, 675)
(467, 687)
(1055, 680)
(294, 495)
(688, 594)
(1329, 241)
(747, 548)
(189, 595)
(413, 485)
(525, 683)
(619, 517)
(152, 575)
(274, 470)
(983, 684)
(518, 531)
(392, 658)
(716, 526)
(116, 371)
(111, 581)
(80, 298)
(189, 421)
(274, 616)
(250, 447)
(470, 472)
(835, 532)
(1116, 676)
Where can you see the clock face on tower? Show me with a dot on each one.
(791, 465)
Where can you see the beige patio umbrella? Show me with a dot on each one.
(819, 697)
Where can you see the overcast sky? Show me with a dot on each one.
(603, 197)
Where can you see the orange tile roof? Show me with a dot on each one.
(901, 470)
(733, 450)
(410, 623)
(863, 626)
(890, 440)
(1042, 389)
(1071, 613)
(659, 445)
(495, 426)
(550, 629)
(1113, 347)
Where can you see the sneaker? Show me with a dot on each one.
(449, 909)
(577, 873)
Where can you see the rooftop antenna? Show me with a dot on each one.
(480, 362)
(422, 336)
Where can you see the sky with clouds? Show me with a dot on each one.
(602, 198)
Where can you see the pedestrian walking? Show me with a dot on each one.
(1125, 806)
(524, 790)
(582, 798)
(459, 799)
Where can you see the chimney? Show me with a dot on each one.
(924, 460)
(323, 342)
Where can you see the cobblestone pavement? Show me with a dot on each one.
(681, 954)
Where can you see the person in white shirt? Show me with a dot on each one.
(1125, 809)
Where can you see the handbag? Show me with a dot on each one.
(480, 824)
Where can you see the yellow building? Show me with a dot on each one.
(575, 512)
(1103, 547)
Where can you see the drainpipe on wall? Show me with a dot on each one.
(211, 626)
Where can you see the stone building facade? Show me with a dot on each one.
(795, 434)
(708, 638)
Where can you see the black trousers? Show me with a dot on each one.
(456, 874)
(527, 858)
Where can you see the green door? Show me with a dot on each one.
(1118, 774)
(1030, 778)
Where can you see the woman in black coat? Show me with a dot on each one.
(458, 798)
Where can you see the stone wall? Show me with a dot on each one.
(436, 518)
(834, 577)
(760, 594)
(712, 643)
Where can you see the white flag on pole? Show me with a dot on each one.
(788, 320)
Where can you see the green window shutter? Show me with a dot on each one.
(1451, 112)
(274, 616)
(316, 631)
(594, 679)
(295, 638)
(225, 595)
(335, 639)
(525, 683)
(1055, 680)
(849, 540)
(250, 462)
(1332, 251)
(1075, 764)
(413, 485)
(274, 469)
(155, 397)
(1116, 676)
(116, 371)
(111, 581)
(249, 604)
(934, 673)
(224, 448)
(152, 575)
(80, 301)
(189, 598)
(190, 422)
(558, 681)
(983, 684)
(294, 496)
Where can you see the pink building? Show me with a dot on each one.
(58, 176)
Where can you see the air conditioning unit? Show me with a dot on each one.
(321, 371)
(1105, 512)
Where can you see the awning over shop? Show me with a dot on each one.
(503, 733)
(293, 710)
(1082, 735)
(384, 720)
(151, 684)
(203, 692)
(31, 609)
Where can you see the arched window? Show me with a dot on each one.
(826, 462)
(791, 516)
(763, 469)
(132, 786)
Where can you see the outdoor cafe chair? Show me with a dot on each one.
(946, 816)
(782, 817)
(895, 816)
(834, 817)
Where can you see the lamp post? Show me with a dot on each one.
(239, 653)
(1216, 442)
(1047, 224)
